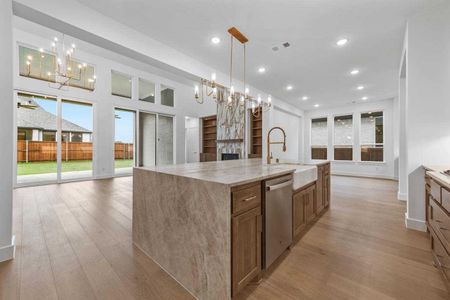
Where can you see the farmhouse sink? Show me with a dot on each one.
(303, 174)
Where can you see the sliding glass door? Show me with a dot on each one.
(76, 140)
(54, 139)
(147, 139)
(165, 140)
(36, 149)
(124, 141)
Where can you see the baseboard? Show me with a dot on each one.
(8, 252)
(364, 175)
(402, 196)
(415, 224)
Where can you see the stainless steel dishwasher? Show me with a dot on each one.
(278, 217)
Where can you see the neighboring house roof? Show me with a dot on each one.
(39, 118)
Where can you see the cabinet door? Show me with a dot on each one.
(298, 213)
(326, 190)
(319, 204)
(309, 198)
(246, 245)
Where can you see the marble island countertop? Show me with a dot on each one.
(231, 172)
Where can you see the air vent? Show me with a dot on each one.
(286, 45)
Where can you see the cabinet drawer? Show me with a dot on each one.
(441, 256)
(435, 191)
(440, 222)
(445, 199)
(246, 197)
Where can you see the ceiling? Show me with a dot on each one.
(314, 65)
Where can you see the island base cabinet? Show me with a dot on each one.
(303, 208)
(246, 248)
(326, 190)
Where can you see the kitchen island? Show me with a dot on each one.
(202, 222)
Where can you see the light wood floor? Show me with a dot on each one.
(74, 242)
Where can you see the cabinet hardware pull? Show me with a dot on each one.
(438, 221)
(249, 199)
(443, 228)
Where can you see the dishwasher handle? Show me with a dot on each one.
(279, 186)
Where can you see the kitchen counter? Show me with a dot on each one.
(231, 172)
(186, 216)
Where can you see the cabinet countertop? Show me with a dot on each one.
(230, 172)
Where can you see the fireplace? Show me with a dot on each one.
(230, 156)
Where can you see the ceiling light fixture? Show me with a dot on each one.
(63, 74)
(304, 98)
(316, 105)
(289, 87)
(215, 40)
(360, 88)
(220, 93)
(342, 42)
(354, 72)
(262, 70)
(365, 98)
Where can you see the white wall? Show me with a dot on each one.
(292, 125)
(356, 167)
(6, 132)
(427, 104)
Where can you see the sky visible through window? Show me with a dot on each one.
(81, 115)
(124, 126)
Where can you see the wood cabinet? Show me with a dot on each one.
(303, 209)
(246, 235)
(323, 190)
(310, 201)
(437, 199)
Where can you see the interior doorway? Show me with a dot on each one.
(192, 139)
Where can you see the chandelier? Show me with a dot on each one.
(67, 69)
(233, 98)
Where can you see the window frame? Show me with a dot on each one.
(131, 77)
(384, 137)
(310, 138)
(333, 140)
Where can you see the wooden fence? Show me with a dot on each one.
(32, 151)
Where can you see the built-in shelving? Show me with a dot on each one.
(209, 139)
(255, 135)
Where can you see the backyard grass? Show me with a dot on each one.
(47, 167)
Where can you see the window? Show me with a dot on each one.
(49, 136)
(124, 141)
(146, 91)
(372, 136)
(319, 138)
(120, 84)
(167, 96)
(343, 137)
(37, 64)
(83, 75)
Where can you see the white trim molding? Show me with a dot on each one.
(402, 196)
(8, 252)
(415, 224)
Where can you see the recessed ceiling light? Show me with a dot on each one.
(342, 42)
(365, 98)
(360, 88)
(215, 40)
(289, 87)
(262, 70)
(316, 105)
(304, 98)
(354, 72)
